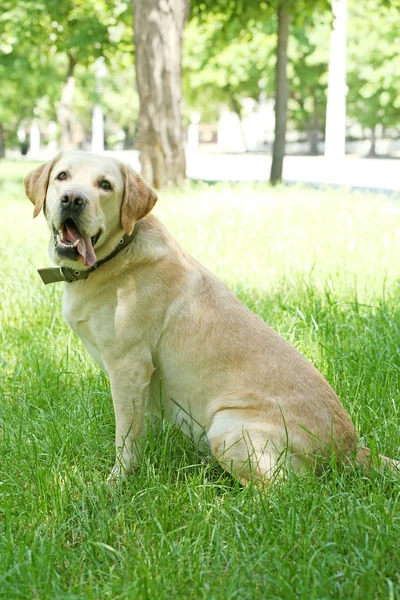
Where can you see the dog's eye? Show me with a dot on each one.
(62, 175)
(105, 185)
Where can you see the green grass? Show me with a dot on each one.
(321, 267)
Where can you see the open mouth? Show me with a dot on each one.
(72, 244)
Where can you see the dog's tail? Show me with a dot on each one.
(366, 459)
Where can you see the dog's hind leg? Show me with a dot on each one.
(250, 449)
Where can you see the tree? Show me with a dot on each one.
(116, 95)
(242, 13)
(158, 33)
(281, 93)
(308, 79)
(295, 11)
(20, 91)
(22, 94)
(373, 66)
(79, 32)
(222, 65)
(221, 70)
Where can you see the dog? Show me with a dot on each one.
(155, 319)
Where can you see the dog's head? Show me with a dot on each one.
(88, 201)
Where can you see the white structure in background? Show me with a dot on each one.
(34, 140)
(255, 132)
(21, 134)
(229, 135)
(335, 133)
(97, 130)
(193, 134)
(98, 116)
(258, 122)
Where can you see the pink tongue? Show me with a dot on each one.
(85, 246)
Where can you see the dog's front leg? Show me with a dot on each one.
(130, 380)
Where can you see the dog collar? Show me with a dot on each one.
(55, 274)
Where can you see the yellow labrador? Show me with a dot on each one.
(155, 319)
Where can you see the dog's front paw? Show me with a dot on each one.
(118, 473)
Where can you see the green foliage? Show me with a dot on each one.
(227, 59)
(115, 92)
(82, 29)
(245, 11)
(308, 74)
(40, 42)
(216, 73)
(22, 93)
(374, 64)
(229, 51)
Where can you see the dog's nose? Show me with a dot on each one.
(73, 199)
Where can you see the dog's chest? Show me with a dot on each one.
(89, 325)
(90, 343)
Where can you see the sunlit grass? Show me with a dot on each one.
(322, 268)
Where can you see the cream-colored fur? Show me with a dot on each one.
(174, 339)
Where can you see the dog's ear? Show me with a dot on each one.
(138, 198)
(37, 182)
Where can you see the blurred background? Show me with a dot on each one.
(211, 89)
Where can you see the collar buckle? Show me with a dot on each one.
(54, 274)
(69, 275)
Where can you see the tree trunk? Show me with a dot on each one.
(372, 148)
(281, 94)
(158, 32)
(313, 129)
(64, 113)
(2, 144)
(129, 140)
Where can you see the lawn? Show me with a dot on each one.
(321, 267)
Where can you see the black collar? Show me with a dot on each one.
(54, 274)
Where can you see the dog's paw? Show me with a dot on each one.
(118, 473)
